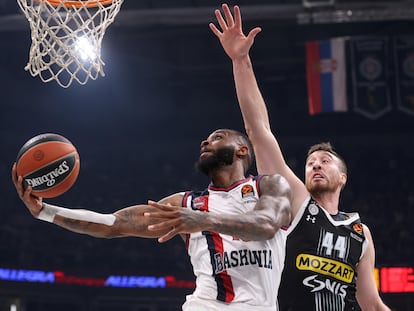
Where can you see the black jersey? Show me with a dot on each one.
(322, 252)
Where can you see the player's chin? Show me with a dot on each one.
(316, 187)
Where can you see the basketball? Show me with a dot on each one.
(49, 163)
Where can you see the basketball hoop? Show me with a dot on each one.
(67, 37)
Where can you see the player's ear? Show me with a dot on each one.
(242, 150)
(343, 178)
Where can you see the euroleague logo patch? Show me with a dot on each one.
(357, 228)
(247, 191)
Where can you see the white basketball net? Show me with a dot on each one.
(66, 40)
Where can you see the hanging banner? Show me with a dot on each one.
(326, 76)
(371, 92)
(404, 69)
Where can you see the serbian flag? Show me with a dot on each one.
(326, 75)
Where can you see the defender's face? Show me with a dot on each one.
(322, 172)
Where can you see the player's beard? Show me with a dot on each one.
(316, 189)
(221, 157)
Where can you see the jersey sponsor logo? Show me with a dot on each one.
(243, 257)
(325, 266)
(317, 285)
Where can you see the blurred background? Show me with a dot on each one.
(168, 84)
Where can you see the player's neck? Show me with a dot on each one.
(328, 200)
(226, 176)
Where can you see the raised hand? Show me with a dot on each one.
(231, 36)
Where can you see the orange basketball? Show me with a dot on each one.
(49, 163)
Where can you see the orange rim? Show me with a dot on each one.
(79, 3)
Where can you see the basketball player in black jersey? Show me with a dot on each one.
(330, 256)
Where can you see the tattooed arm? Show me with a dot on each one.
(129, 221)
(271, 212)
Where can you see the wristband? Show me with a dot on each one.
(49, 212)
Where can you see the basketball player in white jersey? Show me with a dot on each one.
(235, 246)
(330, 255)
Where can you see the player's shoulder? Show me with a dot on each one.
(366, 229)
(173, 199)
(275, 180)
(271, 177)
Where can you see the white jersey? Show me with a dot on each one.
(232, 273)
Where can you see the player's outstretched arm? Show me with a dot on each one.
(367, 292)
(129, 221)
(271, 212)
(269, 157)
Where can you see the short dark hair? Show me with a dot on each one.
(326, 146)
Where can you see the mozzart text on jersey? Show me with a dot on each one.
(325, 266)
